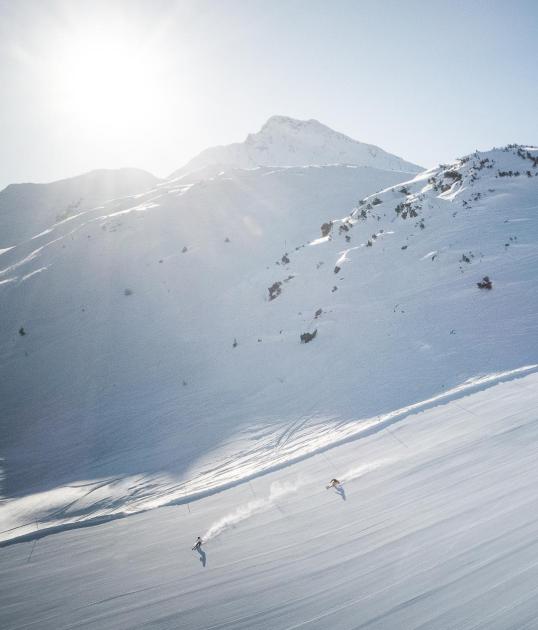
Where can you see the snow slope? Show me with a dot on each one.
(128, 345)
(27, 209)
(156, 368)
(285, 141)
(438, 530)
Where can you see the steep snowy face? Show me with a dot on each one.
(26, 209)
(284, 141)
(130, 309)
(166, 345)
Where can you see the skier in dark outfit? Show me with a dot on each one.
(198, 544)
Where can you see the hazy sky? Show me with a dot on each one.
(89, 84)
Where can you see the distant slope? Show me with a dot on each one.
(162, 354)
(284, 141)
(26, 209)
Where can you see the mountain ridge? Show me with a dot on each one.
(27, 207)
(94, 174)
(285, 141)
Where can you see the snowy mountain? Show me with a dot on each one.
(26, 209)
(285, 141)
(122, 304)
(223, 344)
(151, 348)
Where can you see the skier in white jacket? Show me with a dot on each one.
(333, 483)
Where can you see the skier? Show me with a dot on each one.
(198, 544)
(334, 483)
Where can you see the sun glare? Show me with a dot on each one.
(107, 80)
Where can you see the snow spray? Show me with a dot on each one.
(359, 471)
(278, 490)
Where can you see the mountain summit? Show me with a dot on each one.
(285, 141)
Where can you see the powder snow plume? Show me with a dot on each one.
(277, 491)
(359, 471)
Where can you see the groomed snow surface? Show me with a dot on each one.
(436, 527)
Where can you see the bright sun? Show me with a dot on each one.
(107, 80)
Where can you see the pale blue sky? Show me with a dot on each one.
(428, 81)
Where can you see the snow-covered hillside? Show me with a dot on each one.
(436, 528)
(151, 352)
(129, 312)
(285, 141)
(26, 209)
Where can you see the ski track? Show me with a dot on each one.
(439, 536)
(241, 466)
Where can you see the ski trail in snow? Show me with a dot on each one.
(243, 512)
(278, 490)
(360, 471)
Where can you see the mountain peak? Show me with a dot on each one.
(294, 123)
(284, 141)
